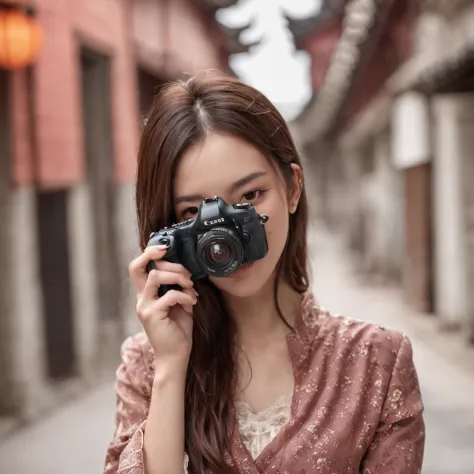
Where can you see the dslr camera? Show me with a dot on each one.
(217, 242)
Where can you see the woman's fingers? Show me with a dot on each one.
(156, 278)
(148, 309)
(171, 267)
(174, 297)
(193, 294)
(137, 267)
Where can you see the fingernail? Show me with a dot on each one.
(156, 248)
(195, 292)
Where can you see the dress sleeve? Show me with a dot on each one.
(398, 444)
(125, 452)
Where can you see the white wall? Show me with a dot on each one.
(28, 357)
(411, 123)
(451, 289)
(83, 279)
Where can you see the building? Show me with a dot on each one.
(318, 35)
(389, 132)
(69, 131)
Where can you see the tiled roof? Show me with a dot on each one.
(360, 20)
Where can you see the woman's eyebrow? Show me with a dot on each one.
(246, 180)
(234, 187)
(190, 198)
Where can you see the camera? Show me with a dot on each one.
(221, 239)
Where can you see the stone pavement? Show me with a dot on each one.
(73, 440)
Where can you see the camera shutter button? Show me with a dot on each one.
(164, 241)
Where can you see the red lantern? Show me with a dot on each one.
(20, 39)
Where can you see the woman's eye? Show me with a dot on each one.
(190, 212)
(252, 195)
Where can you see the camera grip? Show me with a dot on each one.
(163, 289)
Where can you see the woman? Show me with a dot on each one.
(246, 373)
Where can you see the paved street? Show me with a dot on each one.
(74, 439)
(71, 441)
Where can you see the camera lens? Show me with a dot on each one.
(220, 251)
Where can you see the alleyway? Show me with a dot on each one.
(73, 440)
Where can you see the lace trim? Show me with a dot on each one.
(268, 421)
(258, 429)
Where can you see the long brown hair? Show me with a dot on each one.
(183, 114)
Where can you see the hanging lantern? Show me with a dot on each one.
(20, 39)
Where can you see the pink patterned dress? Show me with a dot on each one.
(356, 407)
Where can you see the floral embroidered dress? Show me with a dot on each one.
(356, 407)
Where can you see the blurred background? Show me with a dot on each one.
(379, 95)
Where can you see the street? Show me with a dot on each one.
(73, 440)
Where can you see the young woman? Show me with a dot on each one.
(246, 373)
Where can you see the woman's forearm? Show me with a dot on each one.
(164, 433)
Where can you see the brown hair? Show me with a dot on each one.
(183, 114)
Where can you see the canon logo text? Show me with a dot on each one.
(215, 221)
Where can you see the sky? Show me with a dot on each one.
(274, 67)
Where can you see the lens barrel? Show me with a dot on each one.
(220, 251)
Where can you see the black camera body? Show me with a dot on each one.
(217, 242)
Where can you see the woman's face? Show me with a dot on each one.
(236, 171)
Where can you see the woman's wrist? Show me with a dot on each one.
(170, 372)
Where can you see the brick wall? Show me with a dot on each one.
(106, 27)
(197, 49)
(101, 26)
(22, 167)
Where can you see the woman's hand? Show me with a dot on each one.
(167, 320)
